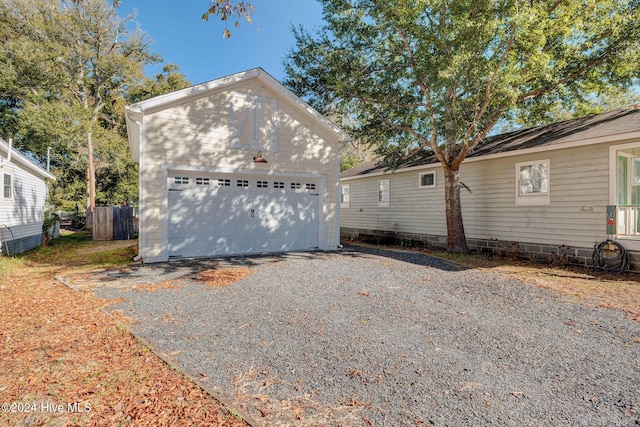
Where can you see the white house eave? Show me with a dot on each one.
(184, 95)
(134, 118)
(302, 106)
(20, 160)
(621, 137)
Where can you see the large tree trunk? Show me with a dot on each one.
(456, 240)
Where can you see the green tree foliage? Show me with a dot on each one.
(169, 80)
(431, 77)
(66, 70)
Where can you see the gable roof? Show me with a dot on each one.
(19, 159)
(581, 131)
(135, 112)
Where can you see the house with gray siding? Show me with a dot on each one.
(237, 165)
(22, 201)
(542, 192)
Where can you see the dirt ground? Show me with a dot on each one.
(64, 362)
(616, 291)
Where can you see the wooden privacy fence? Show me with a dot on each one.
(113, 223)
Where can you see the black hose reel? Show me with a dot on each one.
(610, 256)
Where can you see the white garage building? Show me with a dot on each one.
(237, 165)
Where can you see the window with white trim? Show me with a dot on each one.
(344, 196)
(532, 182)
(383, 193)
(7, 185)
(427, 179)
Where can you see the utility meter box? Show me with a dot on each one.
(612, 223)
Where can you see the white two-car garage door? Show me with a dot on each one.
(224, 214)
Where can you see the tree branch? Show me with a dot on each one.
(571, 76)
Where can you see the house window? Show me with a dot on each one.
(383, 193)
(8, 192)
(344, 196)
(635, 172)
(532, 183)
(181, 180)
(427, 180)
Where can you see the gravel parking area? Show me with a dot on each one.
(385, 338)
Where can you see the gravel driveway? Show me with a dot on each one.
(385, 338)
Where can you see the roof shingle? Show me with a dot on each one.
(583, 128)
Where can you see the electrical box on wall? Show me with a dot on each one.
(611, 220)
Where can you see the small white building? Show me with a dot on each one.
(237, 165)
(22, 201)
(543, 192)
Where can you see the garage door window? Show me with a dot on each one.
(262, 184)
(278, 185)
(224, 182)
(242, 183)
(202, 181)
(182, 180)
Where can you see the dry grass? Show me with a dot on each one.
(148, 287)
(223, 276)
(60, 348)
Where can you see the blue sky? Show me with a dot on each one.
(182, 38)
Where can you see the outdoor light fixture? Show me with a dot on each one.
(259, 158)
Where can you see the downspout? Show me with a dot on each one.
(339, 191)
(138, 124)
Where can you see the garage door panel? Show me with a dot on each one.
(212, 220)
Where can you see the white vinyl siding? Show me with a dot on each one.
(196, 136)
(22, 214)
(575, 215)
